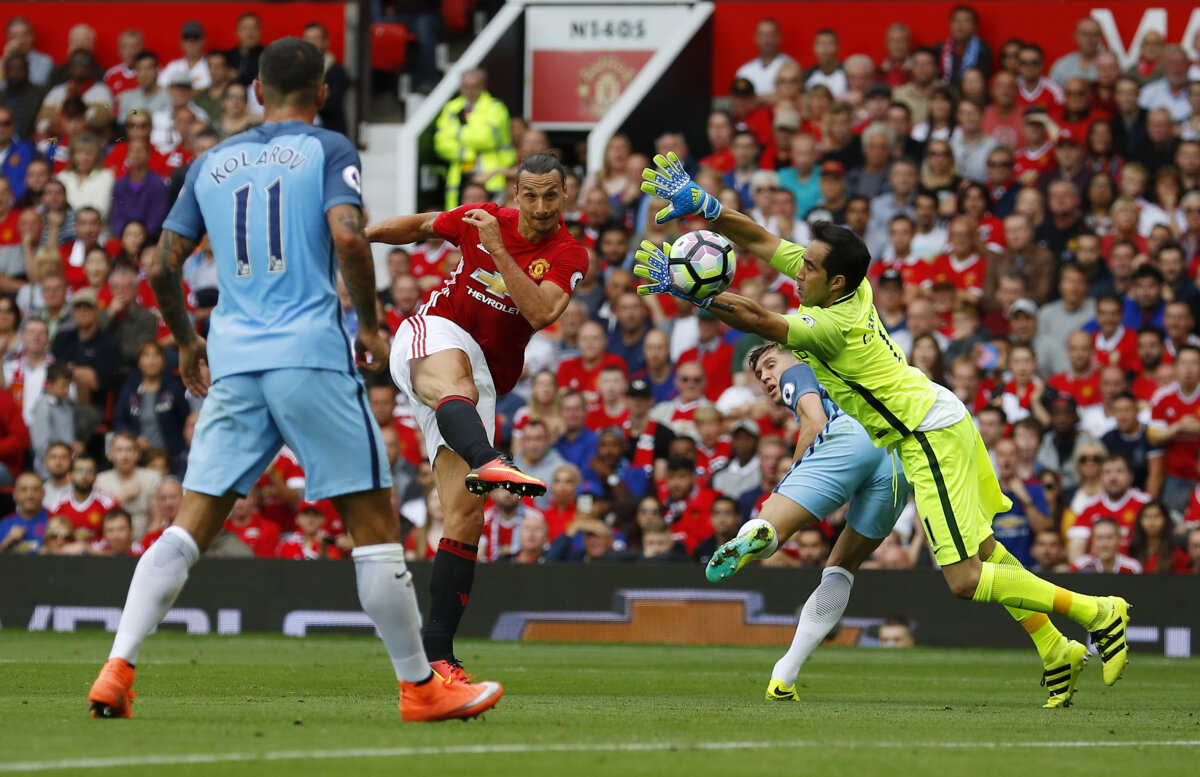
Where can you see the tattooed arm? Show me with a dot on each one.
(358, 273)
(166, 278)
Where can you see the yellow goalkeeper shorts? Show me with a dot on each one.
(956, 488)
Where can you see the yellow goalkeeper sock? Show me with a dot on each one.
(1018, 588)
(1045, 635)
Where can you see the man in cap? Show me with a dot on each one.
(193, 63)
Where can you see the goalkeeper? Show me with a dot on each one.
(837, 332)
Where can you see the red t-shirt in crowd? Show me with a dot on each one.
(294, 547)
(1085, 391)
(9, 234)
(689, 518)
(1120, 350)
(1030, 163)
(712, 459)
(120, 78)
(718, 367)
(271, 504)
(1045, 93)
(966, 274)
(476, 297)
(1169, 405)
(259, 534)
(598, 418)
(558, 519)
(1124, 510)
(574, 375)
(500, 534)
(88, 514)
(721, 161)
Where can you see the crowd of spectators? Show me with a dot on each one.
(1035, 228)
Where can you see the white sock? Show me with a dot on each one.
(753, 524)
(157, 581)
(385, 591)
(821, 613)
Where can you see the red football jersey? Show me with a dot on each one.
(558, 519)
(1120, 350)
(1124, 510)
(1183, 451)
(966, 275)
(88, 514)
(1085, 391)
(271, 504)
(120, 78)
(294, 547)
(501, 536)
(1029, 164)
(475, 296)
(259, 534)
(160, 164)
(574, 375)
(718, 368)
(1046, 93)
(597, 419)
(689, 518)
(712, 459)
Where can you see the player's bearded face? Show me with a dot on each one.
(540, 198)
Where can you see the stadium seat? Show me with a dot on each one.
(389, 46)
(456, 15)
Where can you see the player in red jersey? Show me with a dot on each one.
(1175, 426)
(82, 505)
(465, 347)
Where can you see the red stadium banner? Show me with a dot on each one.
(861, 25)
(579, 59)
(160, 23)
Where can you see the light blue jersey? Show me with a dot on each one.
(261, 196)
(842, 465)
(282, 367)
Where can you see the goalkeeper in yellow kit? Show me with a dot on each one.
(837, 332)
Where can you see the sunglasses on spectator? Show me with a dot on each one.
(58, 536)
(1093, 459)
(686, 379)
(1050, 485)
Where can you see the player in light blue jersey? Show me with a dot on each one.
(282, 207)
(836, 463)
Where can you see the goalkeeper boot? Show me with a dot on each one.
(1062, 672)
(450, 670)
(445, 699)
(777, 691)
(111, 695)
(1109, 637)
(735, 554)
(500, 472)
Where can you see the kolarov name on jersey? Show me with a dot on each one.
(275, 155)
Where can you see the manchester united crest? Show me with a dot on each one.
(538, 267)
(601, 83)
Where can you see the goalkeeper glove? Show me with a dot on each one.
(673, 184)
(652, 264)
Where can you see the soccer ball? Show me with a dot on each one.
(702, 264)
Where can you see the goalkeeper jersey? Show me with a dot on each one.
(853, 357)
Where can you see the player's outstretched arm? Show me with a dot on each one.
(358, 273)
(402, 230)
(166, 278)
(746, 315)
(671, 183)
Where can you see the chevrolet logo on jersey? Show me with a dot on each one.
(492, 281)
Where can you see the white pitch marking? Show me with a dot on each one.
(579, 747)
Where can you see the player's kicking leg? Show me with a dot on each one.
(445, 382)
(954, 492)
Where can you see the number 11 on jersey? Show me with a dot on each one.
(241, 226)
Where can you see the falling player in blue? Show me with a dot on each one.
(282, 207)
(836, 463)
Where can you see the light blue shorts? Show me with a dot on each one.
(322, 415)
(842, 466)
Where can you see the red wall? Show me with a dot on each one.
(861, 25)
(160, 23)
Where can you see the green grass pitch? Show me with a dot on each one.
(265, 705)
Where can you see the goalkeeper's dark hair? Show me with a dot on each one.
(543, 164)
(291, 71)
(848, 255)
